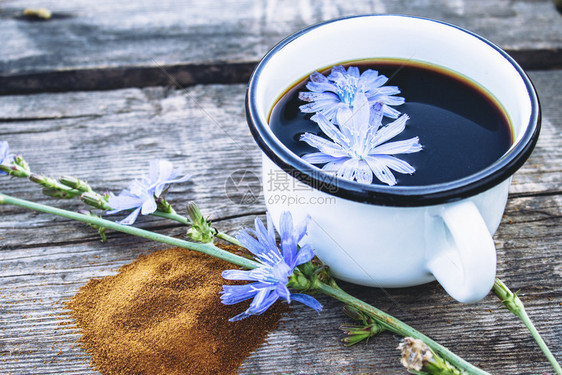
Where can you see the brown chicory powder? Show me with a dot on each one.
(162, 314)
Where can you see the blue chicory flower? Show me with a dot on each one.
(328, 95)
(142, 192)
(277, 266)
(5, 156)
(357, 148)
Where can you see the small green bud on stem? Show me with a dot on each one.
(54, 188)
(101, 230)
(515, 305)
(38, 179)
(95, 200)
(299, 281)
(201, 229)
(164, 206)
(194, 212)
(18, 167)
(509, 299)
(62, 194)
(367, 328)
(75, 183)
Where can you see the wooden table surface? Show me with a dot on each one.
(89, 93)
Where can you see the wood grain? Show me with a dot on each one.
(109, 45)
(107, 138)
(35, 281)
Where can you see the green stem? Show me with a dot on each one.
(186, 221)
(384, 319)
(515, 305)
(228, 238)
(54, 184)
(536, 335)
(208, 249)
(172, 216)
(401, 328)
(15, 170)
(389, 322)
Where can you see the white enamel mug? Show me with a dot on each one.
(396, 236)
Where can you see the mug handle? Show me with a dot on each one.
(465, 265)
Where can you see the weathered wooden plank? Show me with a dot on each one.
(543, 171)
(107, 137)
(105, 45)
(202, 131)
(33, 283)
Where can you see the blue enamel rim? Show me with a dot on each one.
(405, 196)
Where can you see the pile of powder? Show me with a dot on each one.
(162, 314)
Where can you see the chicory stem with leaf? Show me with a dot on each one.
(515, 305)
(208, 249)
(387, 321)
(394, 325)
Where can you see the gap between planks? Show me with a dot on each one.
(185, 75)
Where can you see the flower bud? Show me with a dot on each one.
(20, 162)
(201, 229)
(353, 337)
(52, 186)
(299, 281)
(75, 183)
(14, 170)
(509, 299)
(57, 193)
(38, 179)
(101, 230)
(194, 213)
(356, 333)
(164, 206)
(95, 200)
(308, 268)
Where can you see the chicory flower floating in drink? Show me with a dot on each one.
(329, 95)
(358, 147)
(272, 277)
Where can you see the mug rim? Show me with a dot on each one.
(378, 194)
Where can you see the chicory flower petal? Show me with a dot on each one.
(276, 266)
